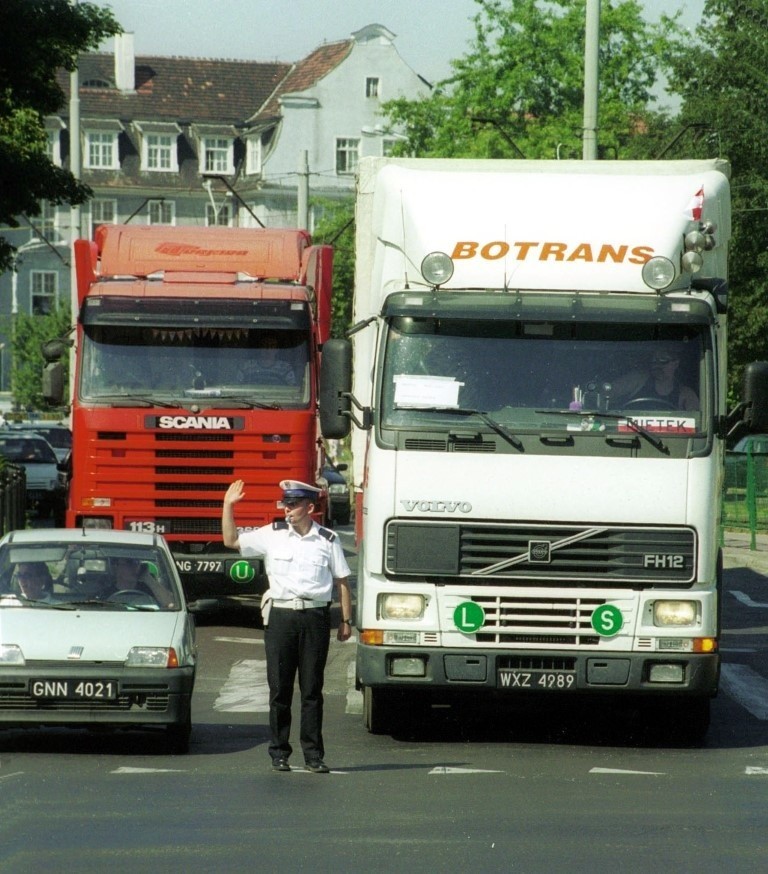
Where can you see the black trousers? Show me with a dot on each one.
(297, 641)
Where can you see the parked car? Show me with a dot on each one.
(338, 494)
(46, 490)
(58, 435)
(95, 633)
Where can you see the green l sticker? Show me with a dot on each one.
(468, 616)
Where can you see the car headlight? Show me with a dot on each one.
(337, 489)
(675, 613)
(152, 657)
(11, 654)
(399, 606)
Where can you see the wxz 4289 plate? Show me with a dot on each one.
(537, 680)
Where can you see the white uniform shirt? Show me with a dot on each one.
(297, 567)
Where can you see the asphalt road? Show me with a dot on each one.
(494, 790)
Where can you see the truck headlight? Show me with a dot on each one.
(399, 606)
(11, 654)
(675, 613)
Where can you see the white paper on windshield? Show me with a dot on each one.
(416, 391)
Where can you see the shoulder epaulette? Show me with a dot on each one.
(279, 524)
(327, 533)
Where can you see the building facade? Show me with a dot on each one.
(189, 141)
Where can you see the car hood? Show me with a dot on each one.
(86, 635)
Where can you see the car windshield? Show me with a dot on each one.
(59, 438)
(257, 366)
(88, 576)
(23, 449)
(528, 375)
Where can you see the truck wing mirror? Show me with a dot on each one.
(53, 383)
(755, 396)
(336, 397)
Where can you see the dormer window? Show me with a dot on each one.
(101, 144)
(372, 86)
(216, 148)
(159, 146)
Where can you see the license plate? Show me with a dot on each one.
(84, 690)
(537, 680)
(200, 565)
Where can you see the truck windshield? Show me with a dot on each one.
(166, 364)
(520, 373)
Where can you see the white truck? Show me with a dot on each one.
(539, 360)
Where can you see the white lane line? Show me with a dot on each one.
(14, 774)
(754, 770)
(446, 770)
(354, 696)
(240, 640)
(746, 687)
(623, 771)
(245, 690)
(125, 770)
(745, 599)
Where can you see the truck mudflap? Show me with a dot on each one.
(628, 673)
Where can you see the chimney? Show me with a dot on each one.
(125, 62)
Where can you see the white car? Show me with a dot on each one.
(94, 632)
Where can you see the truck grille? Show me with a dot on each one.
(488, 553)
(561, 622)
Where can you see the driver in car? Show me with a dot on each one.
(133, 575)
(658, 382)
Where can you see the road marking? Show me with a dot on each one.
(125, 770)
(14, 774)
(354, 696)
(753, 770)
(622, 771)
(446, 770)
(745, 599)
(245, 690)
(747, 687)
(239, 640)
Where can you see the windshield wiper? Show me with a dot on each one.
(485, 417)
(121, 400)
(617, 417)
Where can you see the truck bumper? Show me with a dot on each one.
(518, 671)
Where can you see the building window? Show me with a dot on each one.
(46, 221)
(372, 86)
(103, 212)
(253, 155)
(217, 155)
(53, 147)
(347, 155)
(221, 215)
(101, 151)
(160, 152)
(44, 285)
(161, 212)
(387, 146)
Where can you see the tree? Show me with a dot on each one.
(723, 80)
(37, 38)
(31, 331)
(520, 90)
(336, 227)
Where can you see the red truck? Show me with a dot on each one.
(196, 362)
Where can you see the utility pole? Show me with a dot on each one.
(591, 79)
(302, 194)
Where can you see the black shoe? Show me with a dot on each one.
(280, 763)
(317, 766)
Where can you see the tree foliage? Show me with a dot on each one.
(723, 80)
(30, 332)
(336, 226)
(519, 92)
(37, 38)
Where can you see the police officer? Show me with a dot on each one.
(303, 560)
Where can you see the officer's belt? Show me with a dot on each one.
(298, 603)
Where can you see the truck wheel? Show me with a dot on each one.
(377, 710)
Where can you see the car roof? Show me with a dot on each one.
(81, 535)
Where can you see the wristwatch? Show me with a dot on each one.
(346, 621)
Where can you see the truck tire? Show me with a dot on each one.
(377, 710)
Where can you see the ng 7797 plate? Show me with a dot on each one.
(537, 680)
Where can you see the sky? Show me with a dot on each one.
(429, 33)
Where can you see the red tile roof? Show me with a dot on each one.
(178, 89)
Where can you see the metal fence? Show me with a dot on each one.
(745, 492)
(13, 497)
